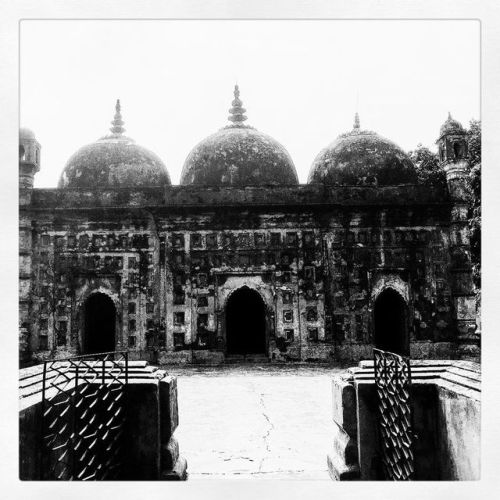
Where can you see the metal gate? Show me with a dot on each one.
(83, 415)
(393, 382)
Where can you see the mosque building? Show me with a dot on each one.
(240, 261)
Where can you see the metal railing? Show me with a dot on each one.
(83, 415)
(393, 383)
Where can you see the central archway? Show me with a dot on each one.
(100, 324)
(245, 322)
(391, 328)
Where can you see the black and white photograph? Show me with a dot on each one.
(249, 252)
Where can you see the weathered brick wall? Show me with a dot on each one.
(389, 247)
(264, 251)
(166, 257)
(74, 256)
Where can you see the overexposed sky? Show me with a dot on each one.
(300, 81)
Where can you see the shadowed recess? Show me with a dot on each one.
(100, 317)
(391, 332)
(245, 323)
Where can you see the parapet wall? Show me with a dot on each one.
(446, 414)
(252, 196)
(151, 450)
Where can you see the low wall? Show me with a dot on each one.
(459, 416)
(446, 417)
(151, 451)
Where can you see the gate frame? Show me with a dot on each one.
(391, 382)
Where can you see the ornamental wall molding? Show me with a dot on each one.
(392, 281)
(256, 283)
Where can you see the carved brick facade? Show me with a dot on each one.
(318, 255)
(318, 258)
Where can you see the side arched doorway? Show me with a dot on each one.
(99, 324)
(245, 322)
(391, 323)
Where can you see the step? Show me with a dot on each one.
(246, 358)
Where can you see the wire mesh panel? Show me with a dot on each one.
(393, 382)
(83, 409)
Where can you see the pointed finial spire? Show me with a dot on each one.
(356, 121)
(117, 122)
(237, 111)
(449, 116)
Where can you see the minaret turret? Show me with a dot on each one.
(29, 164)
(29, 158)
(453, 156)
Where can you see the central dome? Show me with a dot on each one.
(362, 157)
(113, 161)
(238, 155)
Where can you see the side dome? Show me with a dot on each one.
(113, 161)
(238, 155)
(362, 158)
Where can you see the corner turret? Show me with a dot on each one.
(453, 156)
(29, 158)
(454, 159)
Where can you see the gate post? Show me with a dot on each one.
(343, 460)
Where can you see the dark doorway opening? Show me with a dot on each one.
(245, 323)
(391, 329)
(100, 318)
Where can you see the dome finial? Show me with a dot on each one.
(237, 111)
(449, 116)
(356, 121)
(117, 122)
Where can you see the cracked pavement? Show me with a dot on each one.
(260, 422)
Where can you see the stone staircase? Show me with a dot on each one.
(232, 359)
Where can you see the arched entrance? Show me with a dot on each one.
(391, 323)
(245, 322)
(100, 324)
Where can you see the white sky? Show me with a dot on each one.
(299, 82)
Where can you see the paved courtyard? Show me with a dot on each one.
(260, 422)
